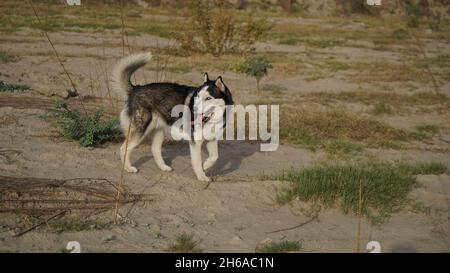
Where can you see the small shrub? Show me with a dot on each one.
(7, 87)
(214, 28)
(88, 130)
(279, 247)
(256, 67)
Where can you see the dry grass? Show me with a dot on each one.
(383, 102)
(312, 128)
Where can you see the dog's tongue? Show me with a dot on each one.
(199, 119)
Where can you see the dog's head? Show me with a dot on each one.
(210, 99)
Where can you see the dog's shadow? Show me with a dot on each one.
(231, 155)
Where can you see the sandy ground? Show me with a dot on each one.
(237, 211)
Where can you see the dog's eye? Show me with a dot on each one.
(208, 98)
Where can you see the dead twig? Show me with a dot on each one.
(294, 227)
(41, 223)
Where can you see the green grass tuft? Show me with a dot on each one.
(384, 186)
(6, 57)
(185, 243)
(380, 108)
(343, 147)
(279, 247)
(7, 87)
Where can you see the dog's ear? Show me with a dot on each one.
(205, 77)
(220, 84)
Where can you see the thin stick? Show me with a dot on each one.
(107, 77)
(358, 232)
(41, 223)
(427, 67)
(294, 227)
(56, 54)
(123, 28)
(119, 187)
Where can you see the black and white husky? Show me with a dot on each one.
(149, 110)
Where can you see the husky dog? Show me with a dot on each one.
(148, 112)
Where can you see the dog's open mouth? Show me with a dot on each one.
(204, 117)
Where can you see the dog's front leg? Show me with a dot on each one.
(196, 158)
(213, 154)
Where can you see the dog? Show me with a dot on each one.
(148, 112)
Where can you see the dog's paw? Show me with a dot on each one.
(131, 169)
(207, 165)
(166, 168)
(204, 178)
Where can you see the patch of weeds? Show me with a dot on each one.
(343, 147)
(279, 247)
(400, 34)
(7, 87)
(426, 130)
(88, 130)
(288, 41)
(312, 128)
(391, 144)
(442, 60)
(324, 43)
(423, 168)
(73, 224)
(157, 29)
(6, 57)
(335, 66)
(185, 243)
(366, 97)
(384, 186)
(380, 108)
(276, 90)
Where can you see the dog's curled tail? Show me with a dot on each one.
(120, 79)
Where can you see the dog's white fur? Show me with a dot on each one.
(120, 82)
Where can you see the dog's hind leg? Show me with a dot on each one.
(213, 154)
(158, 139)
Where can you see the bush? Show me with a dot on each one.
(214, 28)
(413, 13)
(256, 67)
(88, 130)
